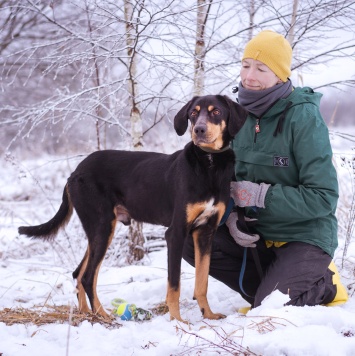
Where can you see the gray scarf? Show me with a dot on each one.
(258, 102)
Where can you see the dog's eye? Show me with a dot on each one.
(216, 112)
(194, 113)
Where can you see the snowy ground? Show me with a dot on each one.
(36, 273)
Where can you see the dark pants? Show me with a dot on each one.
(296, 268)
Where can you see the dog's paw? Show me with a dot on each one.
(180, 319)
(214, 316)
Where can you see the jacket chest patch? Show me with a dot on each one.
(281, 161)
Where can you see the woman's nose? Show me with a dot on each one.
(250, 74)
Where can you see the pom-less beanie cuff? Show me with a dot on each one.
(273, 50)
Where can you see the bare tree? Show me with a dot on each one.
(97, 78)
(291, 32)
(203, 8)
(136, 238)
(70, 62)
(132, 36)
(320, 31)
(64, 67)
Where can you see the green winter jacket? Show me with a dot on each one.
(291, 152)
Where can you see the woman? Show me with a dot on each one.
(287, 184)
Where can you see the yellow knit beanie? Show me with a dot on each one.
(273, 50)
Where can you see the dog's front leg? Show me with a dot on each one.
(172, 300)
(202, 244)
(175, 247)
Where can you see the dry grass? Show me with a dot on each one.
(222, 344)
(160, 309)
(62, 314)
(268, 324)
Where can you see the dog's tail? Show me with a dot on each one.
(48, 230)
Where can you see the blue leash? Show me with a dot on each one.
(229, 209)
(241, 275)
(253, 250)
(255, 255)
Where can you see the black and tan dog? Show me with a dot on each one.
(186, 191)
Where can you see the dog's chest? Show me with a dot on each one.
(199, 213)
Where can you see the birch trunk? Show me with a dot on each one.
(135, 233)
(200, 46)
(251, 19)
(291, 33)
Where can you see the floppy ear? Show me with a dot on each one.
(237, 116)
(181, 119)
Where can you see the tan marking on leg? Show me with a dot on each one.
(97, 306)
(202, 265)
(83, 305)
(172, 301)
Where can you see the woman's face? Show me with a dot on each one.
(256, 75)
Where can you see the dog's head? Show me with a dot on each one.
(215, 120)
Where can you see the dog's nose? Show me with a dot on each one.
(200, 129)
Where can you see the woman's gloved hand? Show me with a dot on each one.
(242, 238)
(246, 193)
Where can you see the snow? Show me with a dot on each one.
(35, 273)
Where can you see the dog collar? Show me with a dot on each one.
(211, 150)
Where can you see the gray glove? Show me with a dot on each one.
(241, 238)
(246, 193)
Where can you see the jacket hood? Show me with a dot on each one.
(298, 96)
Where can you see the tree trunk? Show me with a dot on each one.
(251, 18)
(291, 33)
(135, 234)
(136, 242)
(200, 46)
(291, 38)
(97, 80)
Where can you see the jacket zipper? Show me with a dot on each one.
(257, 129)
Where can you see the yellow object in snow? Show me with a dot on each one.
(342, 295)
(243, 310)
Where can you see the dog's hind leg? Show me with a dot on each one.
(100, 236)
(78, 274)
(96, 213)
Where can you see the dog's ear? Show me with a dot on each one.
(237, 116)
(181, 119)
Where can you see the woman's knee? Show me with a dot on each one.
(299, 270)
